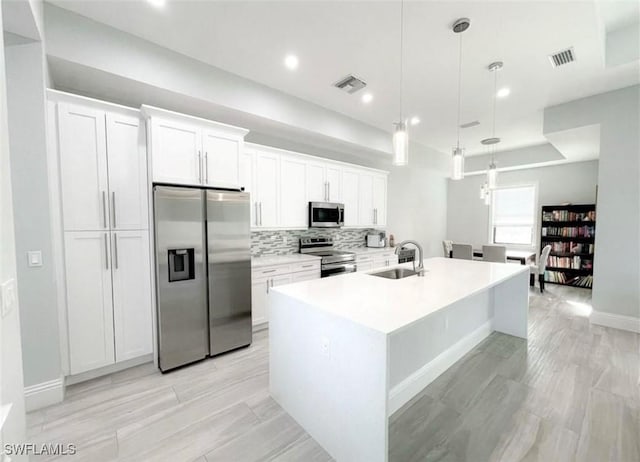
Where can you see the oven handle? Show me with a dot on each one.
(347, 266)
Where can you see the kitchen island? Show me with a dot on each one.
(346, 352)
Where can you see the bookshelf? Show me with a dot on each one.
(571, 232)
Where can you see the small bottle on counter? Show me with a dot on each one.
(392, 241)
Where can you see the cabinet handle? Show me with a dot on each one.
(104, 209)
(115, 249)
(106, 252)
(206, 167)
(256, 212)
(267, 285)
(329, 187)
(113, 208)
(199, 167)
(269, 271)
(307, 266)
(326, 191)
(260, 205)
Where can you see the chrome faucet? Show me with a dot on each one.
(420, 269)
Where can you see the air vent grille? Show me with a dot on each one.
(350, 84)
(470, 124)
(562, 57)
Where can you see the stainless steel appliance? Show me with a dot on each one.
(333, 262)
(377, 239)
(326, 215)
(203, 273)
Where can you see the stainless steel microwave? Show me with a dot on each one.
(326, 215)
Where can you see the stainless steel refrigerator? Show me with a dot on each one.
(203, 273)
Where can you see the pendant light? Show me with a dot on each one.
(457, 172)
(492, 172)
(400, 134)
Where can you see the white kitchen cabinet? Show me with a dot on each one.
(365, 196)
(350, 197)
(267, 181)
(177, 152)
(131, 275)
(323, 182)
(221, 159)
(192, 151)
(304, 276)
(259, 294)
(89, 300)
(293, 190)
(83, 168)
(127, 169)
(247, 181)
(379, 200)
(385, 260)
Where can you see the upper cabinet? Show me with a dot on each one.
(103, 169)
(188, 150)
(282, 183)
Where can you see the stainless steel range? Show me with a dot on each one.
(334, 262)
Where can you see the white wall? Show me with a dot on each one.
(27, 127)
(11, 384)
(468, 217)
(616, 271)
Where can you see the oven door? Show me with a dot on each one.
(326, 215)
(336, 269)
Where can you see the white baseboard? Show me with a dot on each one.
(43, 394)
(110, 369)
(617, 321)
(416, 382)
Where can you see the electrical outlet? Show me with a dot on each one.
(325, 347)
(8, 296)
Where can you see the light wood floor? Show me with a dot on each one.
(570, 394)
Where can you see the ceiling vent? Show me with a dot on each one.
(470, 124)
(350, 84)
(562, 57)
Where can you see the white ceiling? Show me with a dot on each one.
(333, 39)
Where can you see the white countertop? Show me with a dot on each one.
(272, 260)
(387, 304)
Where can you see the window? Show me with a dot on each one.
(513, 215)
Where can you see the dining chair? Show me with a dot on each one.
(462, 251)
(494, 253)
(540, 267)
(446, 247)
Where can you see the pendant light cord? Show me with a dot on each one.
(459, 88)
(401, 55)
(495, 90)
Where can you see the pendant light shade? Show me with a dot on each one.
(457, 167)
(457, 172)
(492, 171)
(400, 145)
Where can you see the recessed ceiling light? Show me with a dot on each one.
(415, 120)
(157, 3)
(367, 98)
(503, 92)
(291, 61)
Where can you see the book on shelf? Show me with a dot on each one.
(569, 247)
(566, 215)
(559, 277)
(568, 231)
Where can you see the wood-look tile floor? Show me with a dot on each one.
(570, 394)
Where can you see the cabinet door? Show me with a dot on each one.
(89, 302)
(379, 200)
(333, 177)
(366, 215)
(259, 290)
(131, 269)
(221, 160)
(267, 179)
(127, 159)
(176, 152)
(305, 276)
(293, 190)
(317, 190)
(83, 168)
(365, 265)
(247, 181)
(281, 280)
(350, 194)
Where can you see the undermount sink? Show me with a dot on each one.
(395, 273)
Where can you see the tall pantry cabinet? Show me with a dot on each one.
(102, 177)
